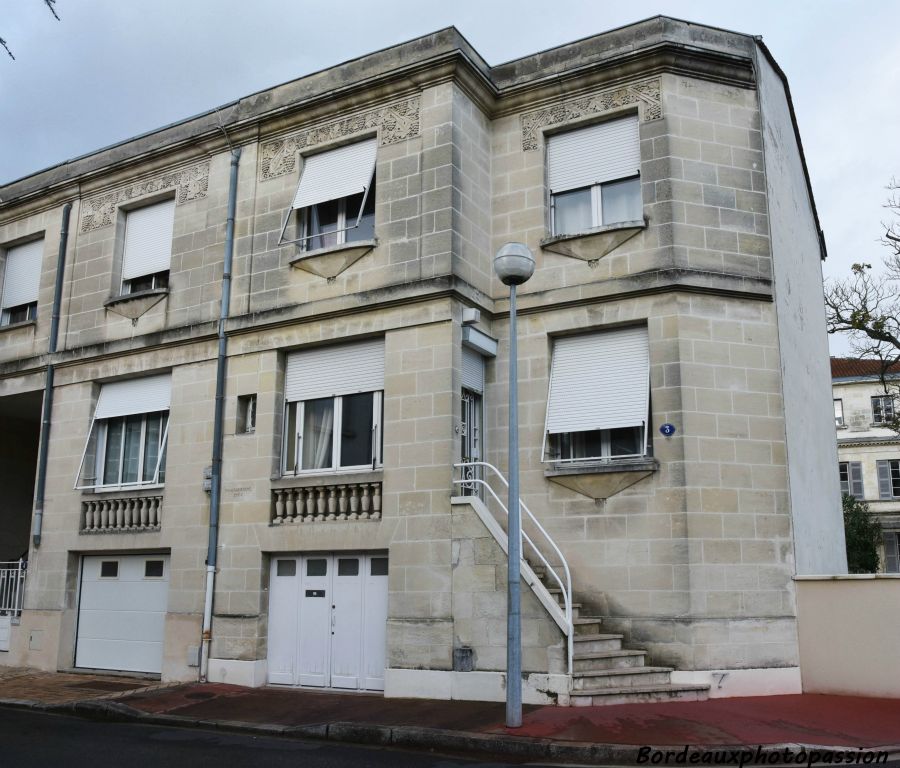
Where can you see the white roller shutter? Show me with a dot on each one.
(332, 175)
(592, 155)
(22, 274)
(145, 395)
(599, 381)
(148, 240)
(331, 371)
(472, 370)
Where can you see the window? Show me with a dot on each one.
(838, 412)
(333, 408)
(109, 569)
(850, 473)
(883, 409)
(153, 569)
(246, 414)
(891, 552)
(594, 176)
(21, 280)
(148, 247)
(599, 400)
(126, 445)
(335, 201)
(888, 479)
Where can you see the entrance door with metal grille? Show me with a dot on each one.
(328, 620)
(470, 439)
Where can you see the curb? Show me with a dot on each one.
(412, 737)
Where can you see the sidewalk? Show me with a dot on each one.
(579, 734)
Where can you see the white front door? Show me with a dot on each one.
(122, 612)
(328, 621)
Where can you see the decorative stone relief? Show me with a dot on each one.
(394, 122)
(192, 184)
(646, 93)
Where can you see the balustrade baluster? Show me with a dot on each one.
(376, 500)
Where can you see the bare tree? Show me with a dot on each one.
(49, 4)
(866, 305)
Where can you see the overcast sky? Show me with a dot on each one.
(111, 69)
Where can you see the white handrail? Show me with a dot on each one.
(565, 587)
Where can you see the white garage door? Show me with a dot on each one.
(328, 620)
(122, 612)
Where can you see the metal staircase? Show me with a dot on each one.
(601, 671)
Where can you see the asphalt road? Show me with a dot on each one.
(39, 740)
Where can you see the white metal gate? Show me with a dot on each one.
(328, 620)
(12, 593)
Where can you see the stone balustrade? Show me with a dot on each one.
(121, 514)
(341, 501)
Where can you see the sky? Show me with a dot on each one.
(112, 69)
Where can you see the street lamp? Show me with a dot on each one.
(514, 264)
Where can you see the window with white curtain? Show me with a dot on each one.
(594, 176)
(333, 408)
(599, 400)
(335, 199)
(126, 444)
(21, 280)
(147, 252)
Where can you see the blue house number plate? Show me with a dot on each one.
(667, 429)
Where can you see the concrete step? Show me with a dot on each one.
(587, 625)
(612, 659)
(639, 695)
(623, 677)
(596, 641)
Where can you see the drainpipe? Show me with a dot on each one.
(218, 424)
(38, 518)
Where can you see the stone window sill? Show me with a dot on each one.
(600, 480)
(330, 262)
(18, 326)
(593, 244)
(336, 478)
(132, 492)
(133, 305)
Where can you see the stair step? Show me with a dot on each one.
(595, 641)
(612, 659)
(639, 694)
(624, 677)
(586, 625)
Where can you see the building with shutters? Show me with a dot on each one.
(868, 447)
(676, 447)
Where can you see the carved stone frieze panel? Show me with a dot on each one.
(645, 93)
(394, 122)
(191, 184)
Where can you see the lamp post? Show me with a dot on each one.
(514, 264)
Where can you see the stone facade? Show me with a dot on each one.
(693, 563)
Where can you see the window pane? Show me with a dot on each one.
(838, 412)
(290, 438)
(165, 447)
(572, 212)
(317, 567)
(323, 221)
(132, 453)
(625, 442)
(113, 457)
(356, 430)
(379, 566)
(152, 438)
(109, 569)
(622, 201)
(348, 566)
(318, 423)
(153, 569)
(366, 228)
(844, 475)
(286, 568)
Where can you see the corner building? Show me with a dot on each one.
(677, 448)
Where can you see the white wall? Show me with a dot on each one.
(808, 409)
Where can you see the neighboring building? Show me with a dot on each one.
(675, 423)
(868, 449)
